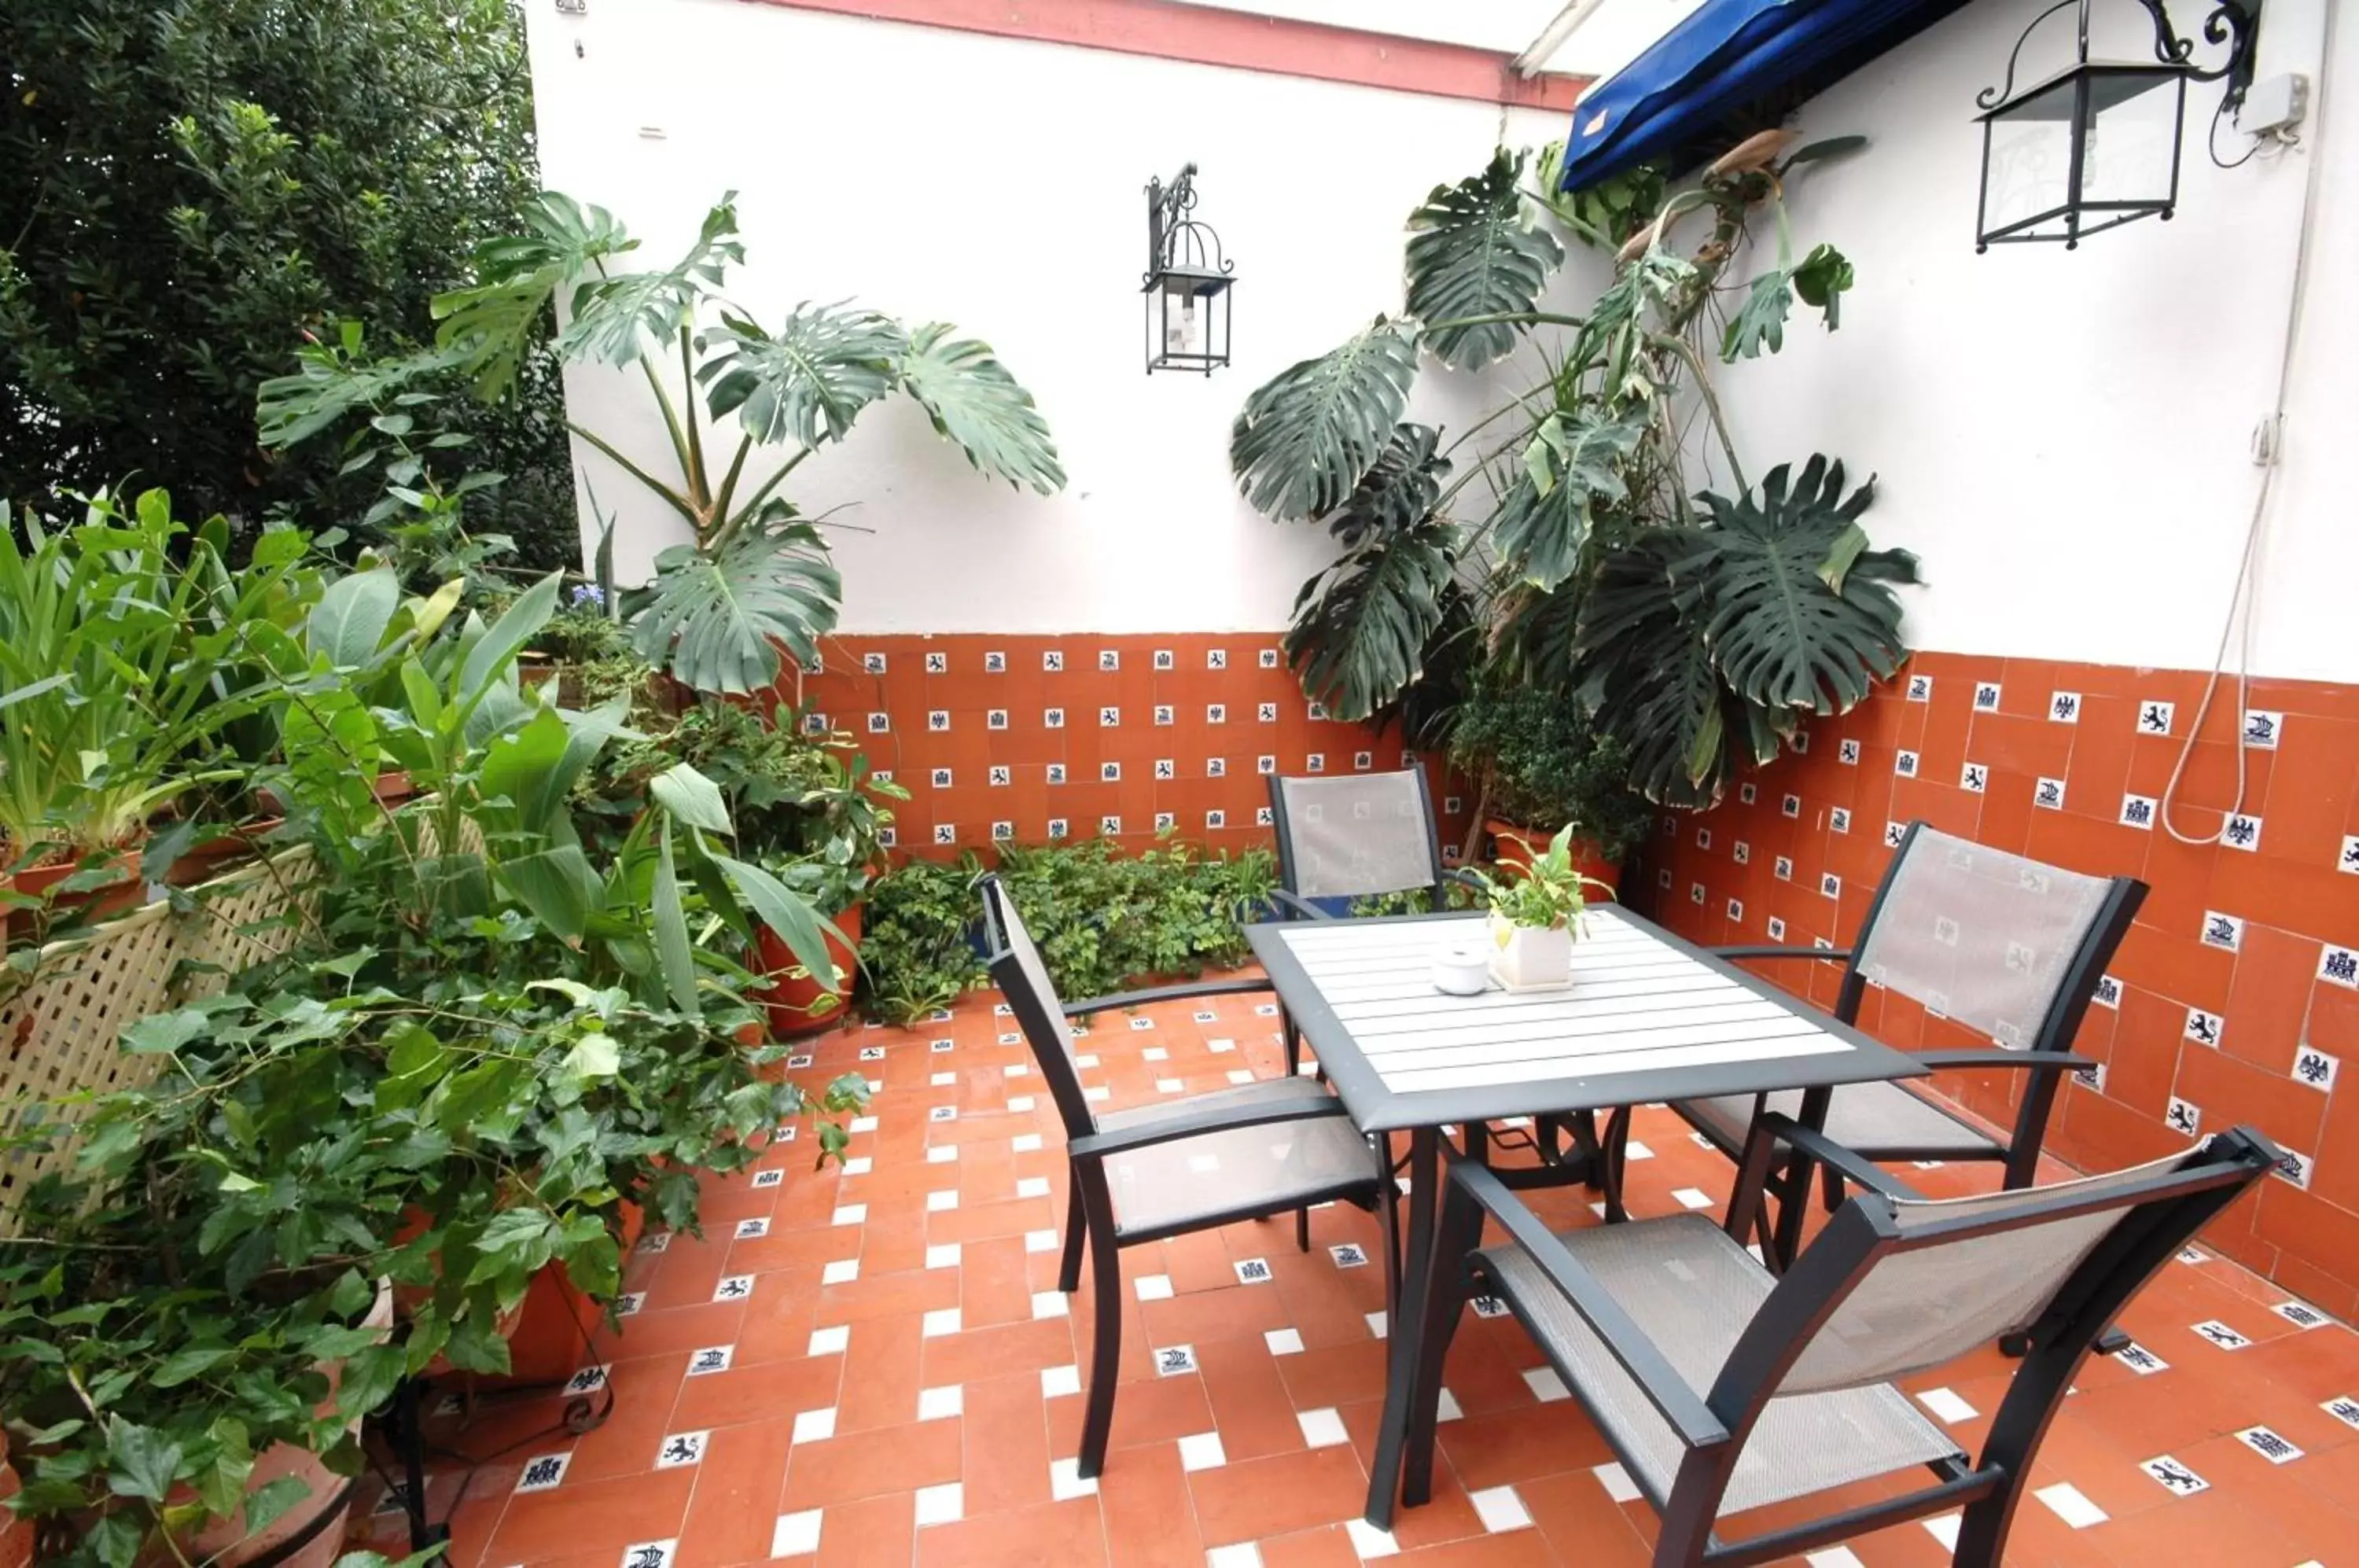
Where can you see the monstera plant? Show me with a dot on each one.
(740, 407)
(1556, 543)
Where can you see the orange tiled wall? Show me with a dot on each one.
(1032, 738)
(2233, 995)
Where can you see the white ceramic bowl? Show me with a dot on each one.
(1462, 969)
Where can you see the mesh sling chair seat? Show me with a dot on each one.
(1723, 1388)
(1362, 835)
(2007, 946)
(1175, 1166)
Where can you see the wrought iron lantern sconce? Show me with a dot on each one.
(1190, 284)
(2097, 145)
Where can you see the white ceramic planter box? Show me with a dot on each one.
(1525, 958)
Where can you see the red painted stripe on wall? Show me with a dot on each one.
(1206, 35)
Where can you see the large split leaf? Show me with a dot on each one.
(498, 321)
(1305, 437)
(808, 381)
(974, 400)
(616, 318)
(1398, 491)
(1647, 671)
(1794, 622)
(1361, 628)
(1759, 323)
(1473, 251)
(1574, 465)
(717, 620)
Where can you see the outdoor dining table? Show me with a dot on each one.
(1649, 1017)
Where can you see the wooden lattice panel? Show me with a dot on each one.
(58, 1031)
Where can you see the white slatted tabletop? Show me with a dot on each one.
(1647, 1018)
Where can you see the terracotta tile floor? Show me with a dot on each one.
(874, 1366)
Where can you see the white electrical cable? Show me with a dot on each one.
(2240, 607)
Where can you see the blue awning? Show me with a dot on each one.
(1730, 68)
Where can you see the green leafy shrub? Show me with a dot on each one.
(1539, 763)
(1102, 920)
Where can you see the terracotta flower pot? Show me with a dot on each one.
(126, 893)
(394, 786)
(1527, 844)
(207, 861)
(319, 1518)
(796, 1002)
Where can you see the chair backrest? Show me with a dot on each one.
(1023, 979)
(1352, 835)
(2009, 946)
(1894, 1286)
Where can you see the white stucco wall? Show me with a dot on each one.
(999, 184)
(2064, 437)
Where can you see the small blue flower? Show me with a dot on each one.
(588, 595)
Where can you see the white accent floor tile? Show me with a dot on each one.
(1691, 1198)
(1946, 1406)
(1244, 1554)
(1024, 1142)
(1048, 1304)
(1368, 1540)
(1283, 1341)
(939, 1321)
(829, 1341)
(942, 1201)
(941, 1505)
(1500, 1510)
(1321, 1428)
(850, 1214)
(1545, 1386)
(1617, 1482)
(933, 1404)
(1944, 1529)
(859, 1165)
(1377, 1324)
(1153, 1287)
(1040, 1241)
(1065, 1480)
(795, 1535)
(1446, 1408)
(843, 1271)
(942, 1155)
(1056, 1381)
(1633, 1150)
(1202, 1451)
(2068, 1504)
(1834, 1557)
(942, 1255)
(1032, 1187)
(814, 1426)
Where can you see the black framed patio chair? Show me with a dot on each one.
(1179, 1166)
(2010, 947)
(1343, 836)
(1723, 1388)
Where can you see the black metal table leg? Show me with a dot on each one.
(1401, 1331)
(410, 1425)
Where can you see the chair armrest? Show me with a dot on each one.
(1185, 1123)
(1669, 1393)
(1082, 1009)
(1839, 955)
(1293, 905)
(1827, 1151)
(1993, 1056)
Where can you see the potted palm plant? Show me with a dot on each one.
(1536, 907)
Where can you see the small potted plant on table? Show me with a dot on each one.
(1536, 915)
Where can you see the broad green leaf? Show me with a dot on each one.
(348, 625)
(494, 652)
(1361, 628)
(558, 885)
(594, 1057)
(670, 911)
(1760, 322)
(1399, 490)
(1647, 671)
(974, 400)
(165, 1032)
(141, 1462)
(1820, 280)
(189, 1361)
(692, 799)
(785, 911)
(1471, 253)
(717, 621)
(1306, 436)
(1539, 533)
(270, 1503)
(808, 381)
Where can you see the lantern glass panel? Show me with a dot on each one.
(2130, 155)
(2118, 125)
